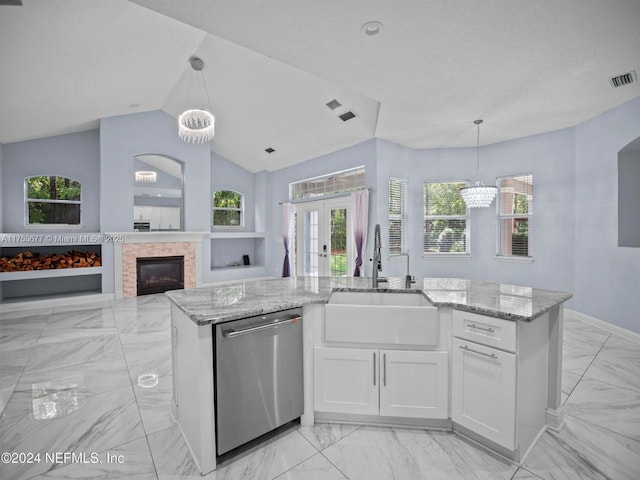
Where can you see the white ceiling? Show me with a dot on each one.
(524, 67)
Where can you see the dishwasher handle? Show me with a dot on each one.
(231, 333)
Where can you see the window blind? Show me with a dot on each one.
(515, 210)
(327, 185)
(397, 216)
(446, 222)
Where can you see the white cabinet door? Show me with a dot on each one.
(170, 218)
(414, 384)
(346, 380)
(483, 394)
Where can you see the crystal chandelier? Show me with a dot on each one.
(144, 176)
(478, 195)
(195, 125)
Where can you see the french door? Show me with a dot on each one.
(323, 247)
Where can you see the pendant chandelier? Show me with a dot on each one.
(195, 125)
(478, 195)
(143, 176)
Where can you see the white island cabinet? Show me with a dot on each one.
(395, 383)
(499, 380)
(493, 376)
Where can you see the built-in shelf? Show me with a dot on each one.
(237, 267)
(15, 303)
(54, 283)
(50, 273)
(237, 235)
(60, 239)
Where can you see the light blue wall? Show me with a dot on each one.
(124, 137)
(607, 276)
(549, 157)
(361, 154)
(75, 156)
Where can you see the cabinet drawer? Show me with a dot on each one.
(490, 331)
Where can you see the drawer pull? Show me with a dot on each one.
(473, 325)
(493, 355)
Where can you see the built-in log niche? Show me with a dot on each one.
(81, 276)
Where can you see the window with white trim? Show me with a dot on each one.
(228, 208)
(446, 219)
(336, 183)
(515, 210)
(52, 200)
(397, 216)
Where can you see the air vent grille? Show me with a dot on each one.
(624, 79)
(348, 115)
(333, 104)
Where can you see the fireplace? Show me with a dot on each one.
(159, 274)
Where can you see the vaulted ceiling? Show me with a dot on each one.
(271, 67)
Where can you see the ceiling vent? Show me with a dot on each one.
(624, 79)
(348, 115)
(269, 150)
(333, 104)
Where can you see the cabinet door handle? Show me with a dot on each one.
(473, 325)
(384, 371)
(374, 369)
(464, 347)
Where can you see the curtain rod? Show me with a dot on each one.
(325, 197)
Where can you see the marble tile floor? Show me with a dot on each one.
(95, 381)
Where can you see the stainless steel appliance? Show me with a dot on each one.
(259, 384)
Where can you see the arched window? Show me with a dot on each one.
(228, 209)
(52, 200)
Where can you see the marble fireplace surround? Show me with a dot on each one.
(133, 245)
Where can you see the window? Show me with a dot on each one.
(515, 208)
(52, 200)
(332, 184)
(397, 216)
(228, 209)
(446, 222)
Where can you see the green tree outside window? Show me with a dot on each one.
(53, 200)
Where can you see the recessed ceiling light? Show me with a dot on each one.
(269, 150)
(371, 28)
(159, 195)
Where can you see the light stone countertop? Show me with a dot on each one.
(234, 300)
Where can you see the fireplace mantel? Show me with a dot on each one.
(156, 237)
(127, 246)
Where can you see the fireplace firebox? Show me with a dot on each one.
(159, 274)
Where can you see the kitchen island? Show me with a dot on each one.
(475, 307)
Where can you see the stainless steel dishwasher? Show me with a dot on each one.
(259, 384)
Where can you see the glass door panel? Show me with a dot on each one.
(338, 245)
(322, 243)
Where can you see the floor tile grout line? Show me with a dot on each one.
(31, 351)
(630, 389)
(144, 429)
(587, 368)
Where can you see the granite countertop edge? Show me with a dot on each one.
(239, 311)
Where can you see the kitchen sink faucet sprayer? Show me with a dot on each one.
(408, 279)
(377, 258)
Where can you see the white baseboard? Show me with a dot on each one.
(554, 419)
(623, 332)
